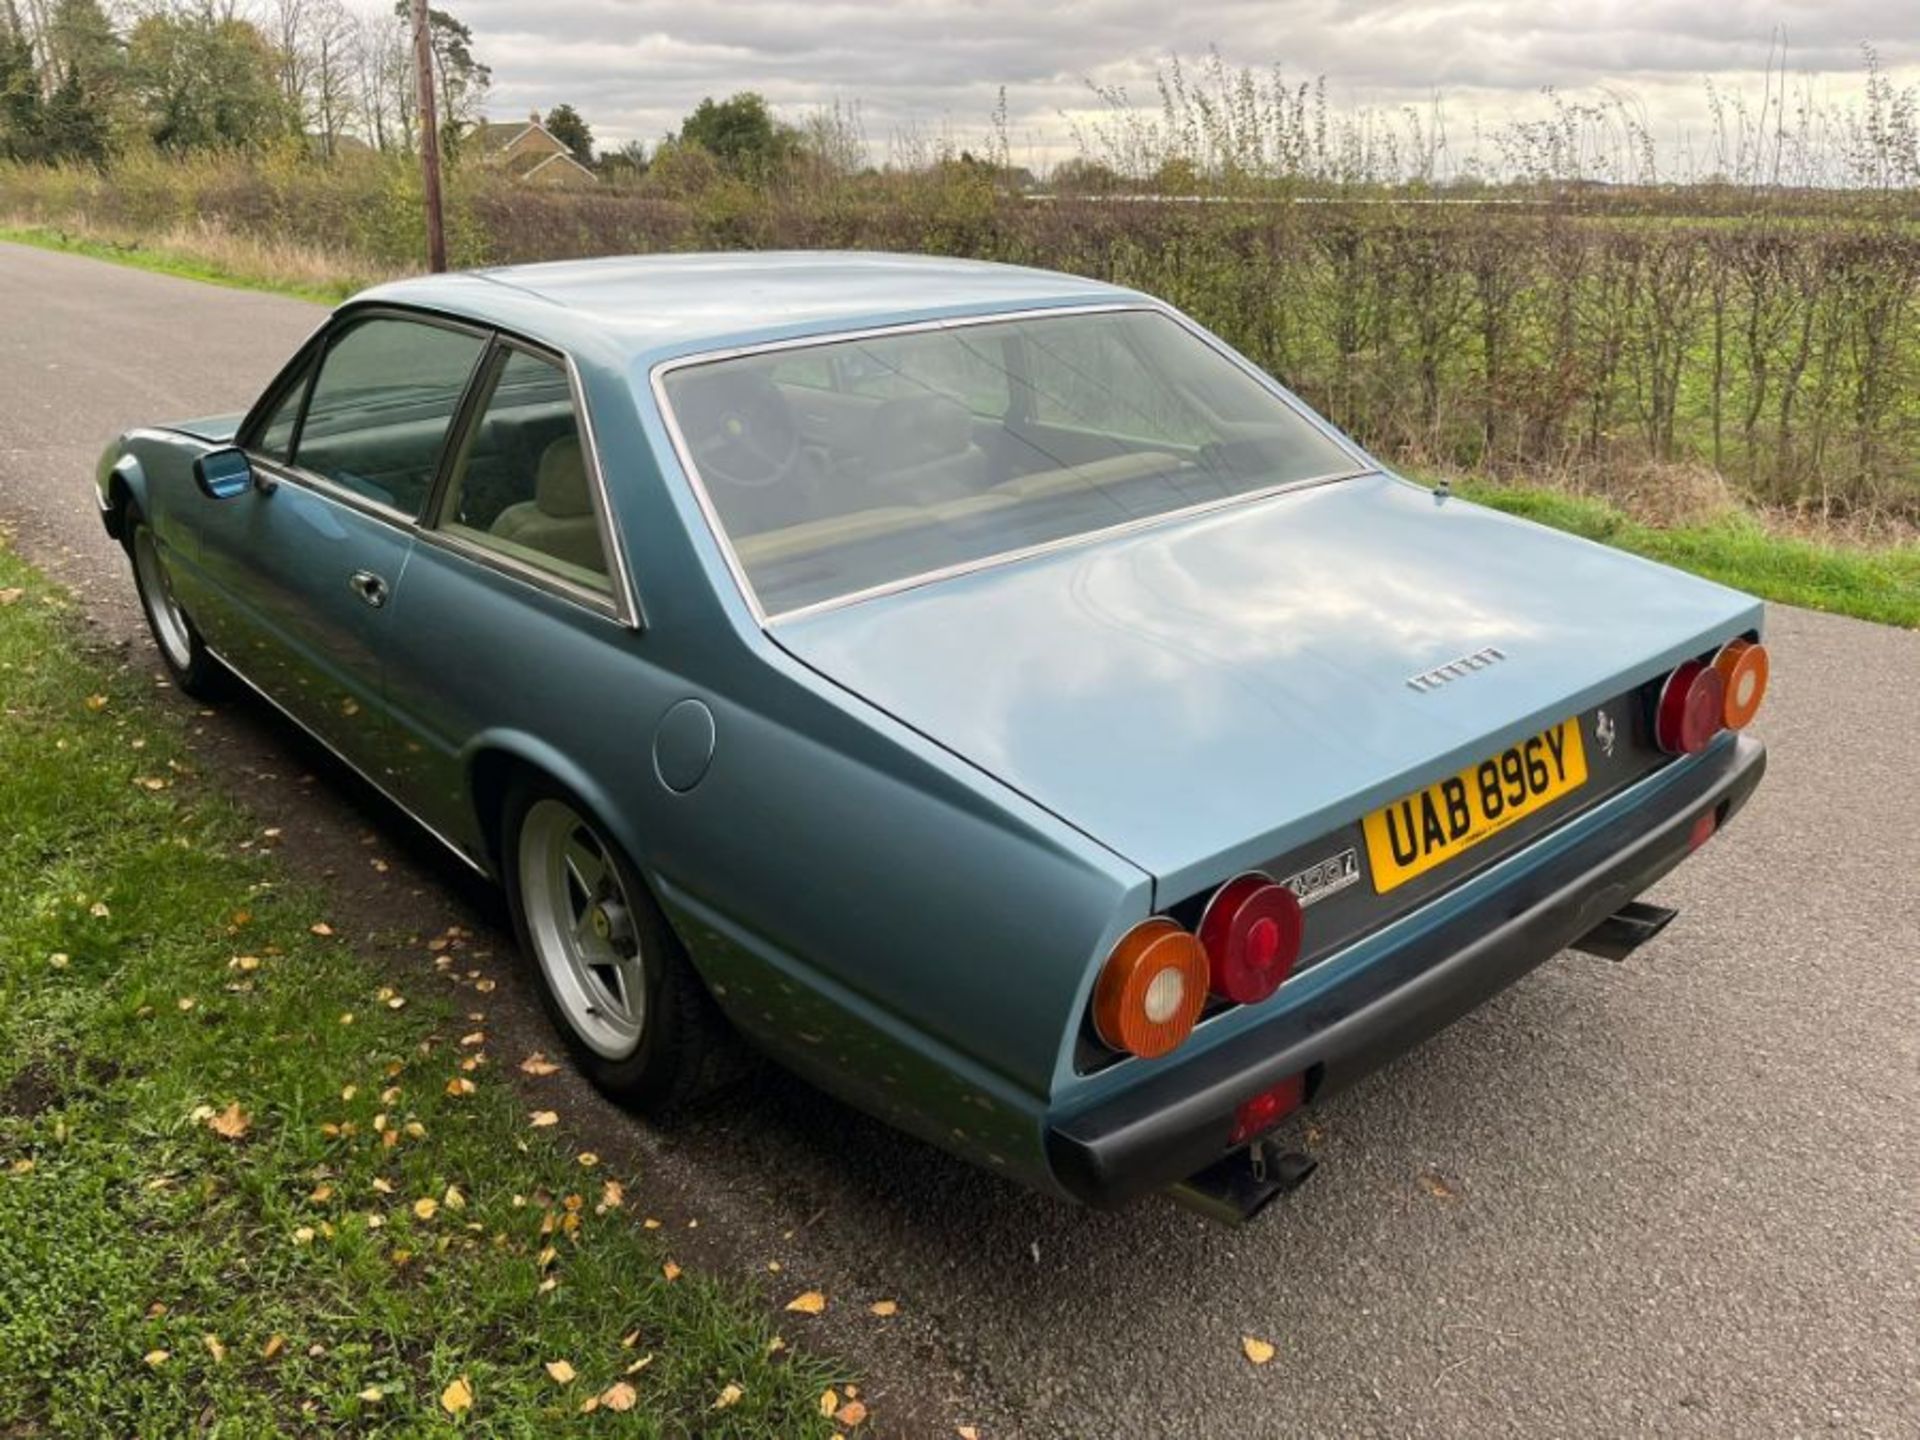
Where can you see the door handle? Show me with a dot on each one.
(369, 587)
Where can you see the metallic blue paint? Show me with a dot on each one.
(926, 816)
(1211, 691)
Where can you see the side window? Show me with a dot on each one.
(1084, 379)
(957, 366)
(520, 485)
(276, 436)
(810, 368)
(383, 399)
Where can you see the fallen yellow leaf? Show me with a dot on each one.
(453, 1199)
(588, 1159)
(561, 1372)
(157, 1358)
(457, 1397)
(1258, 1351)
(729, 1397)
(460, 1085)
(540, 1119)
(321, 928)
(619, 1396)
(538, 1064)
(852, 1413)
(809, 1302)
(276, 1342)
(613, 1195)
(96, 702)
(303, 1235)
(215, 1348)
(829, 1401)
(670, 1270)
(883, 1308)
(372, 1395)
(426, 1207)
(968, 1432)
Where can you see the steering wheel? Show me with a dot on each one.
(741, 431)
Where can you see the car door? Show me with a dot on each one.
(309, 562)
(518, 615)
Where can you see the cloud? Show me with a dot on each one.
(634, 67)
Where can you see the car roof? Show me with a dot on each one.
(655, 307)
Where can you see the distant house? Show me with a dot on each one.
(529, 152)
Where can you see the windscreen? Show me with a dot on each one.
(853, 464)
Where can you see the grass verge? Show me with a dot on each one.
(245, 1186)
(215, 257)
(1868, 583)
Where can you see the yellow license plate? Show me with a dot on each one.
(1430, 827)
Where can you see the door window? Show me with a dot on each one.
(381, 405)
(520, 485)
(276, 436)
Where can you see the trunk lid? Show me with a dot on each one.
(1204, 694)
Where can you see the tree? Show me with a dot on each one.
(75, 127)
(563, 122)
(625, 162)
(741, 133)
(22, 122)
(460, 81)
(205, 83)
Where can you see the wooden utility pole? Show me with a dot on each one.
(429, 138)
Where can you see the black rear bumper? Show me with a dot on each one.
(1176, 1122)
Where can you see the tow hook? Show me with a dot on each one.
(1239, 1186)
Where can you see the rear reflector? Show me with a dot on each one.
(1255, 1116)
(1703, 829)
(1151, 989)
(1743, 667)
(1692, 709)
(1251, 932)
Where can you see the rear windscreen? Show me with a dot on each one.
(852, 464)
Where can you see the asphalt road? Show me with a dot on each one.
(1676, 1195)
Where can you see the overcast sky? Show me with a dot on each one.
(634, 67)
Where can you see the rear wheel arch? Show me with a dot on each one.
(688, 1048)
(499, 763)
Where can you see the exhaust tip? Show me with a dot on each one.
(1626, 930)
(1239, 1186)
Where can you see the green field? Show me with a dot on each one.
(251, 1184)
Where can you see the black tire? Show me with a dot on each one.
(193, 667)
(685, 1046)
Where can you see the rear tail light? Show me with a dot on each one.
(1692, 709)
(1251, 932)
(1254, 1117)
(1151, 989)
(1743, 669)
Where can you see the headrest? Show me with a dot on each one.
(916, 429)
(560, 487)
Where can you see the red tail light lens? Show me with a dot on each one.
(1251, 932)
(1743, 668)
(1256, 1116)
(1151, 989)
(1692, 709)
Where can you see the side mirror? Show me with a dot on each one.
(224, 473)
